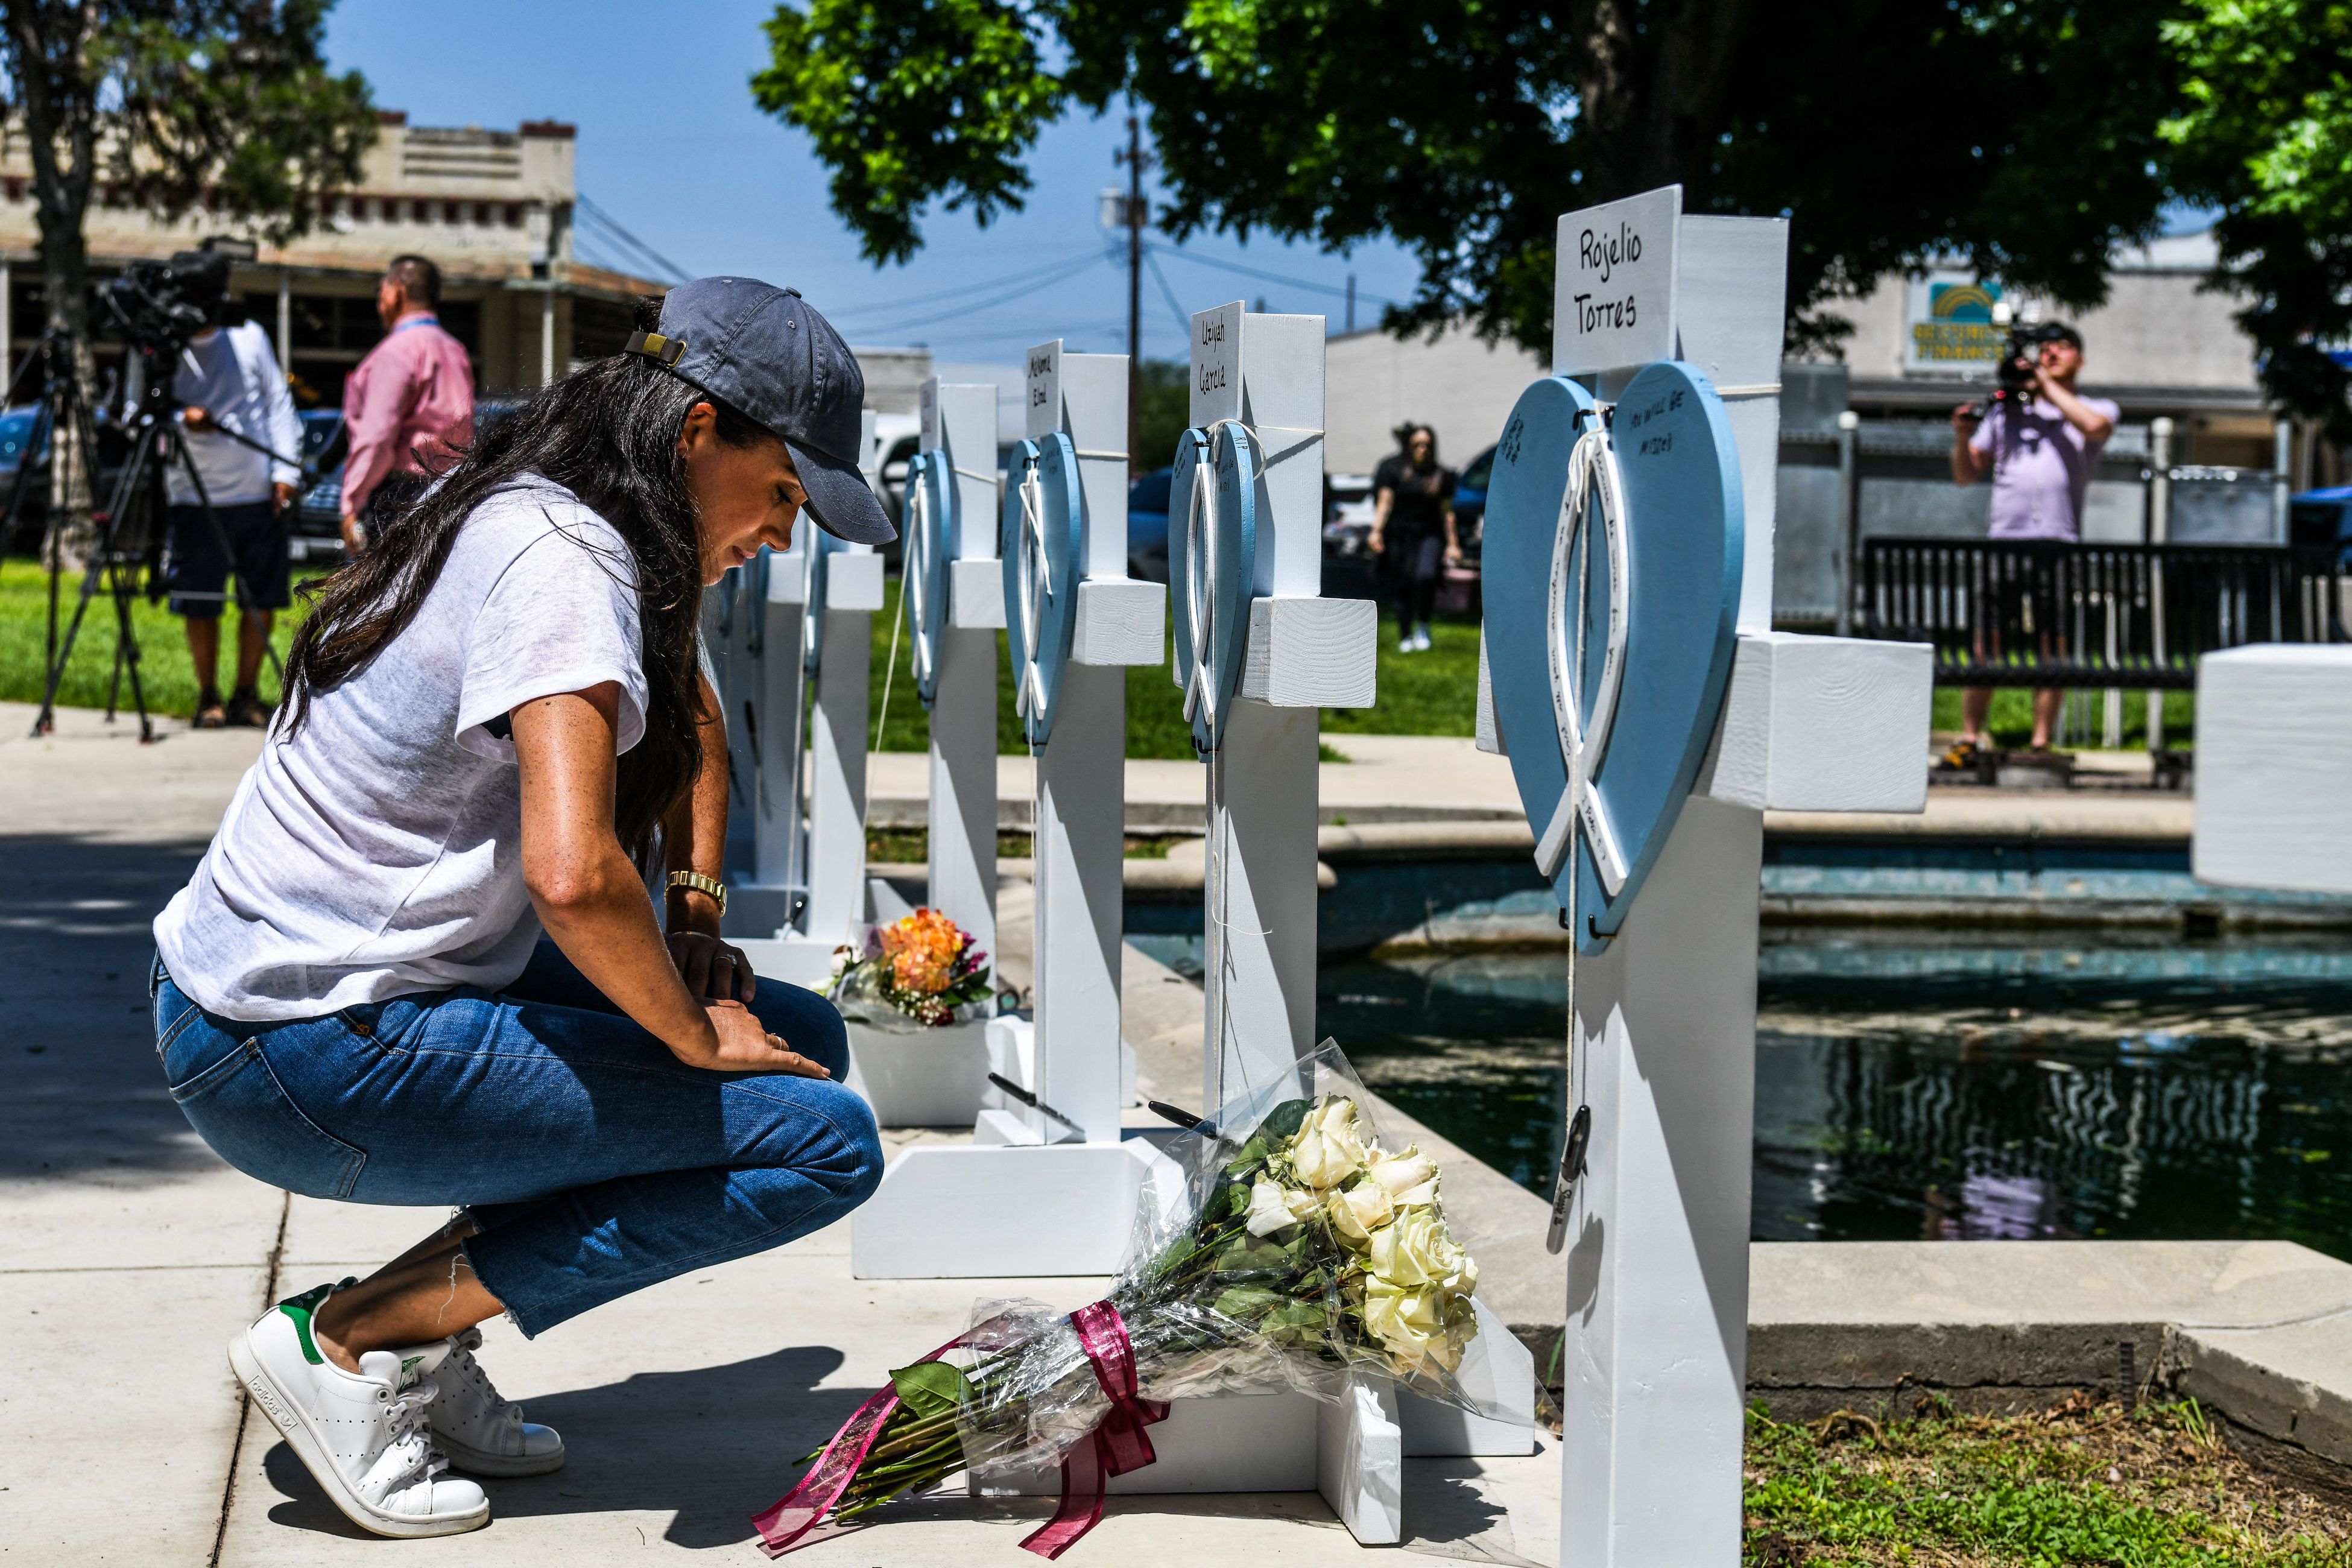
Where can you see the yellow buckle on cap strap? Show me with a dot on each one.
(656, 347)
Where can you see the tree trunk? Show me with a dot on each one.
(50, 43)
(1653, 94)
(65, 272)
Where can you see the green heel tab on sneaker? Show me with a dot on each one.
(300, 1308)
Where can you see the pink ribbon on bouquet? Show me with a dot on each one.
(1117, 1444)
(796, 1520)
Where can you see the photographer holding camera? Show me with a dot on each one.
(228, 377)
(2040, 441)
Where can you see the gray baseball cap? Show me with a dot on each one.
(768, 353)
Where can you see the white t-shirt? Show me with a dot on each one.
(379, 852)
(231, 373)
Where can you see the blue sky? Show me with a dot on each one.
(671, 145)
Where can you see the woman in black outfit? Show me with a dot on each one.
(1412, 530)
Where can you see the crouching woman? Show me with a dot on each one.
(487, 719)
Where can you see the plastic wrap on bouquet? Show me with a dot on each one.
(1300, 1252)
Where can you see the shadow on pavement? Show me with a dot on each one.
(713, 1445)
(81, 1094)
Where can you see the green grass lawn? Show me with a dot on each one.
(2085, 1483)
(164, 670)
(1433, 693)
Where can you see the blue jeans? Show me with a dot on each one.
(595, 1161)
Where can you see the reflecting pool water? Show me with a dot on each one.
(1945, 1085)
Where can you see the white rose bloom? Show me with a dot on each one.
(1360, 1211)
(1400, 1173)
(1267, 1212)
(1328, 1149)
(1421, 1196)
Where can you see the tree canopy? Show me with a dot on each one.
(170, 103)
(2028, 137)
(175, 102)
(2264, 133)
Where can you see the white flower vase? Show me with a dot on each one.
(920, 1078)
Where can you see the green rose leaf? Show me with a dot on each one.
(1282, 1123)
(1246, 1303)
(930, 1388)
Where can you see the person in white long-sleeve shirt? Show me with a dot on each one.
(229, 380)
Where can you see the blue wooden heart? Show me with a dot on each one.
(822, 547)
(1211, 562)
(923, 578)
(1625, 696)
(1040, 551)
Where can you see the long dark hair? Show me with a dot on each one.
(608, 433)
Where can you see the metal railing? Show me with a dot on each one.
(2049, 613)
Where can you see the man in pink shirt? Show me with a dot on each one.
(407, 406)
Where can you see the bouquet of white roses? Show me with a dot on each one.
(1301, 1256)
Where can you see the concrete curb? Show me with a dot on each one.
(2259, 1331)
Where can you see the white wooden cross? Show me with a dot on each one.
(941, 1211)
(797, 817)
(1658, 1265)
(959, 427)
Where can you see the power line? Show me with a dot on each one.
(1183, 321)
(961, 289)
(628, 241)
(1269, 276)
(901, 327)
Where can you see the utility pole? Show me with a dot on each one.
(1136, 159)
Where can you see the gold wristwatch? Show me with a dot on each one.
(702, 884)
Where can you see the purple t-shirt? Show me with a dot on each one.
(2041, 468)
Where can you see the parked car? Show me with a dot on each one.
(317, 531)
(1459, 593)
(15, 433)
(1147, 525)
(2322, 518)
(1349, 569)
(1470, 503)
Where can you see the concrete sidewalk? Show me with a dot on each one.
(132, 1254)
(1387, 778)
(1445, 780)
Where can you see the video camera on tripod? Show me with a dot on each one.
(165, 303)
(159, 308)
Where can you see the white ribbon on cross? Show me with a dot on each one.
(1200, 566)
(1593, 484)
(1036, 575)
(922, 543)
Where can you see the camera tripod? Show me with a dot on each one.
(128, 536)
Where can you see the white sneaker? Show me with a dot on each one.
(480, 1431)
(1405, 645)
(1420, 642)
(362, 1434)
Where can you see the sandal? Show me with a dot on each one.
(247, 710)
(209, 714)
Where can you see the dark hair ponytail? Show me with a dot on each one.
(608, 433)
